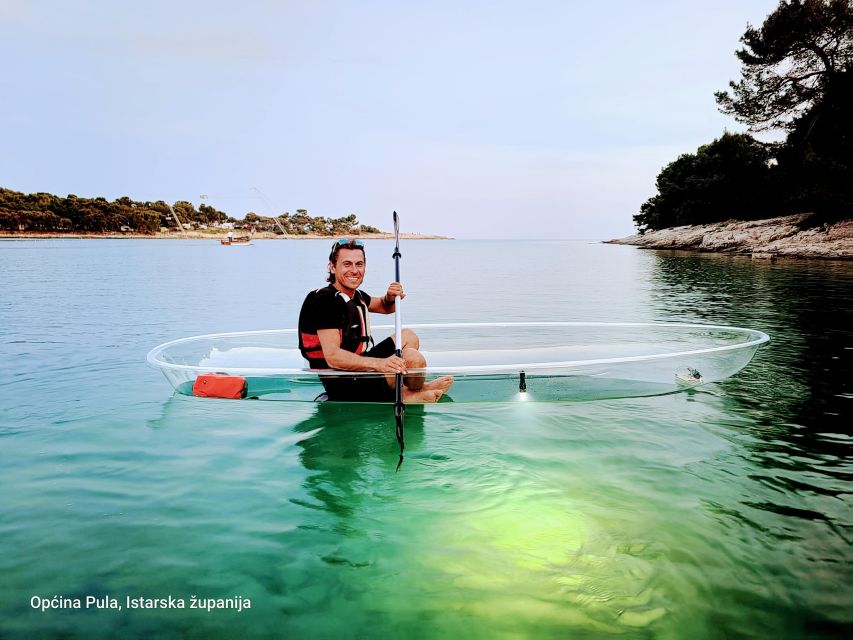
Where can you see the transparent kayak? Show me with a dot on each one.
(491, 362)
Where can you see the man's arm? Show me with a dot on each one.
(330, 341)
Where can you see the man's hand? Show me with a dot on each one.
(395, 289)
(391, 364)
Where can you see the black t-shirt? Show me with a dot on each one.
(328, 308)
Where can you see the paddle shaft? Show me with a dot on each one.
(399, 407)
(398, 316)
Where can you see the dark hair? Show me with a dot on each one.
(336, 248)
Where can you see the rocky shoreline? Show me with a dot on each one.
(785, 236)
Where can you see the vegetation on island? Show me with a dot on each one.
(47, 213)
(797, 79)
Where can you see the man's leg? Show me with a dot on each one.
(410, 339)
(415, 387)
(414, 360)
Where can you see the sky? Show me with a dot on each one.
(472, 119)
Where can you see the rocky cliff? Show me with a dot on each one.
(789, 236)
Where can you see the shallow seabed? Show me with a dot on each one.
(719, 512)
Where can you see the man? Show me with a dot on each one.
(334, 333)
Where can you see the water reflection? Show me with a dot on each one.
(799, 387)
(350, 445)
(796, 393)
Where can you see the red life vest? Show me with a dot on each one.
(353, 323)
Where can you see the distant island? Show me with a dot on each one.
(47, 215)
(738, 193)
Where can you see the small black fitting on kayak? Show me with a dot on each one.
(522, 382)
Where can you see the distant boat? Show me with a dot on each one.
(242, 241)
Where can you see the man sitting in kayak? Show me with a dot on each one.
(334, 333)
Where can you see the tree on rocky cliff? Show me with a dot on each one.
(815, 165)
(797, 77)
(727, 178)
(790, 62)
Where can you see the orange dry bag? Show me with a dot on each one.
(220, 385)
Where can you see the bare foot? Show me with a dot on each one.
(439, 384)
(431, 392)
(420, 397)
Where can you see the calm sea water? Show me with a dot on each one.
(724, 512)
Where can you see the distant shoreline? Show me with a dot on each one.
(201, 235)
(782, 237)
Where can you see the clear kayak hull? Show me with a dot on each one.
(491, 362)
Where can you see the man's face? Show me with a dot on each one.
(349, 269)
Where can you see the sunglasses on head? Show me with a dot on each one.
(342, 241)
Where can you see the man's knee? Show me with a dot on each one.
(414, 358)
(410, 339)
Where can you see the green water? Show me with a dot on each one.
(721, 512)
